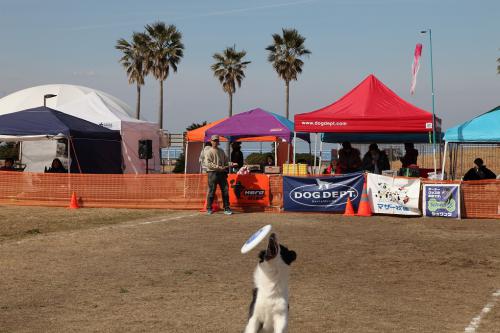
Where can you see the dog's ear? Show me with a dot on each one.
(287, 255)
(262, 255)
(293, 256)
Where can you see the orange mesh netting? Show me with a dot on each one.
(96, 190)
(481, 199)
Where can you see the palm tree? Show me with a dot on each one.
(135, 62)
(166, 51)
(229, 69)
(285, 55)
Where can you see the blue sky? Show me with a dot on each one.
(64, 41)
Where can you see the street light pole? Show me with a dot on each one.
(433, 105)
(45, 97)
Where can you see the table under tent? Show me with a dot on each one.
(477, 137)
(370, 113)
(88, 148)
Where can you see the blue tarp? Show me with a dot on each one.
(483, 128)
(47, 121)
(93, 148)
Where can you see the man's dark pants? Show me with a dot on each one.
(215, 178)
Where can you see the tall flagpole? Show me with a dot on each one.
(433, 107)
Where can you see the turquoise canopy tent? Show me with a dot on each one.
(484, 128)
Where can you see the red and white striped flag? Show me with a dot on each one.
(415, 67)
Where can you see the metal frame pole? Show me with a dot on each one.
(186, 158)
(433, 105)
(275, 153)
(294, 145)
(320, 155)
(315, 149)
(444, 160)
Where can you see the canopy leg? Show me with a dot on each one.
(275, 153)
(320, 155)
(185, 168)
(315, 149)
(294, 146)
(186, 158)
(444, 160)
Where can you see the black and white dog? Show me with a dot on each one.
(269, 307)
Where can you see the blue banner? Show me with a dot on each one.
(442, 200)
(322, 194)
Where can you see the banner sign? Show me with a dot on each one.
(322, 194)
(441, 200)
(248, 190)
(393, 195)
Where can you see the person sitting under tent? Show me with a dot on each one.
(410, 156)
(349, 159)
(479, 171)
(57, 167)
(375, 160)
(8, 165)
(237, 155)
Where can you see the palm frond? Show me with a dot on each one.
(229, 68)
(286, 52)
(165, 47)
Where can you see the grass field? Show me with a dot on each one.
(93, 270)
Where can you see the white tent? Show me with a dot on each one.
(97, 107)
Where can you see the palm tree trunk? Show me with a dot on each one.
(160, 111)
(138, 103)
(287, 85)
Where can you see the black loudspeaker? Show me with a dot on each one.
(145, 149)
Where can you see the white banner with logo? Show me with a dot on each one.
(394, 195)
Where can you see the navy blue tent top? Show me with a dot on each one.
(47, 121)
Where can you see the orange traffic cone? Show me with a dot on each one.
(349, 211)
(364, 204)
(73, 204)
(215, 205)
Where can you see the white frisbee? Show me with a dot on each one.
(255, 239)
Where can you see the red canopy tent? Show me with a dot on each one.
(373, 109)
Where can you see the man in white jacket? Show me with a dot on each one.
(217, 165)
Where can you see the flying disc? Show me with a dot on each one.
(255, 239)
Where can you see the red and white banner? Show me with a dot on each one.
(415, 67)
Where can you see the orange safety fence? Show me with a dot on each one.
(481, 199)
(168, 191)
(97, 190)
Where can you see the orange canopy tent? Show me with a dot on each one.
(198, 135)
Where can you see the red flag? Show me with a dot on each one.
(415, 67)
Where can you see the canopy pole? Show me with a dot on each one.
(275, 153)
(288, 153)
(320, 154)
(294, 146)
(444, 160)
(185, 167)
(186, 157)
(315, 149)
(69, 156)
(229, 157)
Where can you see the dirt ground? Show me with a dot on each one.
(183, 272)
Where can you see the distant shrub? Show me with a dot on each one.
(257, 158)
